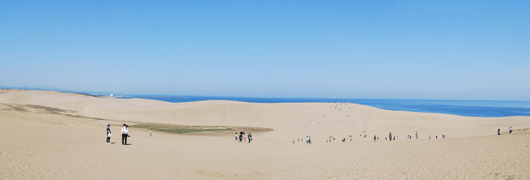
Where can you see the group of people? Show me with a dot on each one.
(242, 138)
(124, 134)
(499, 131)
(331, 138)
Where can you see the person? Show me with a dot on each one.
(150, 132)
(241, 136)
(436, 136)
(343, 139)
(390, 136)
(124, 134)
(375, 137)
(249, 137)
(498, 131)
(429, 136)
(510, 130)
(293, 141)
(416, 135)
(307, 139)
(244, 139)
(108, 133)
(394, 138)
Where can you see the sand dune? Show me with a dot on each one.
(39, 145)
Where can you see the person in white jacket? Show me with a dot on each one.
(124, 134)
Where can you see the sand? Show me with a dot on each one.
(46, 144)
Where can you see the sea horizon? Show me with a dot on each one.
(470, 108)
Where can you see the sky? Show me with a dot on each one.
(464, 50)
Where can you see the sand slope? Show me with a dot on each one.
(48, 146)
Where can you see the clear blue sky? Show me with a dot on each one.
(478, 50)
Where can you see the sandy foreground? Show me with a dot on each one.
(39, 145)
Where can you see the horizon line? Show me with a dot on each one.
(133, 95)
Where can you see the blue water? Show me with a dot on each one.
(456, 107)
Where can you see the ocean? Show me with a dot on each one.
(471, 108)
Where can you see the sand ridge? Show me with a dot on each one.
(36, 144)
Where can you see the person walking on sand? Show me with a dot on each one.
(510, 130)
(375, 137)
(241, 134)
(416, 135)
(108, 133)
(124, 134)
(236, 138)
(150, 132)
(249, 137)
(498, 131)
(390, 136)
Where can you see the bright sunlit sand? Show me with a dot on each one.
(53, 135)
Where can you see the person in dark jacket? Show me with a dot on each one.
(250, 137)
(108, 133)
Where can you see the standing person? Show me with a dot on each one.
(108, 133)
(436, 136)
(249, 137)
(510, 130)
(416, 135)
(498, 131)
(150, 132)
(236, 138)
(390, 136)
(124, 134)
(307, 139)
(241, 136)
(375, 137)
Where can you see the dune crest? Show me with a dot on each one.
(55, 135)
